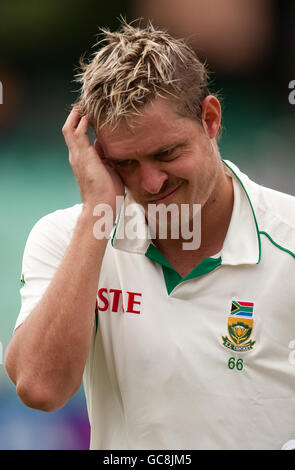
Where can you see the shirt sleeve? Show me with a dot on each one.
(45, 248)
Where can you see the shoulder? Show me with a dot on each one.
(62, 218)
(276, 217)
(274, 211)
(55, 228)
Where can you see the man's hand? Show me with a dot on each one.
(98, 182)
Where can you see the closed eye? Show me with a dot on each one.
(171, 153)
(168, 155)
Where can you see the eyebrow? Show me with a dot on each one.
(159, 151)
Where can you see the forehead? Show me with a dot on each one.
(157, 126)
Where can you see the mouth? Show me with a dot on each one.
(164, 199)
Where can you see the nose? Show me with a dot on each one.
(152, 178)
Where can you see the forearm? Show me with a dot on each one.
(47, 354)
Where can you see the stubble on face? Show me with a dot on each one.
(196, 172)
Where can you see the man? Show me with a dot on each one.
(179, 348)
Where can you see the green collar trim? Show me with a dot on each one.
(252, 209)
(172, 277)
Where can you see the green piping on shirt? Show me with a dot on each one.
(276, 244)
(115, 229)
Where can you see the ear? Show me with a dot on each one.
(211, 116)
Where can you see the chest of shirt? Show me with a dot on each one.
(235, 318)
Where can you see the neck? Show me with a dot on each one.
(216, 215)
(215, 219)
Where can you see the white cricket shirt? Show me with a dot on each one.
(203, 362)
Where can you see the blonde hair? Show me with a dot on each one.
(135, 66)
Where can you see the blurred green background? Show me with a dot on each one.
(249, 46)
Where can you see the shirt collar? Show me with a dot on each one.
(131, 232)
(242, 242)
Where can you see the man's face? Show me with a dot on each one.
(162, 157)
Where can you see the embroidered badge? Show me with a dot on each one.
(240, 325)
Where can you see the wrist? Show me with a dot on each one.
(98, 219)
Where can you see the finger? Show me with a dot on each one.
(75, 129)
(82, 126)
(72, 120)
